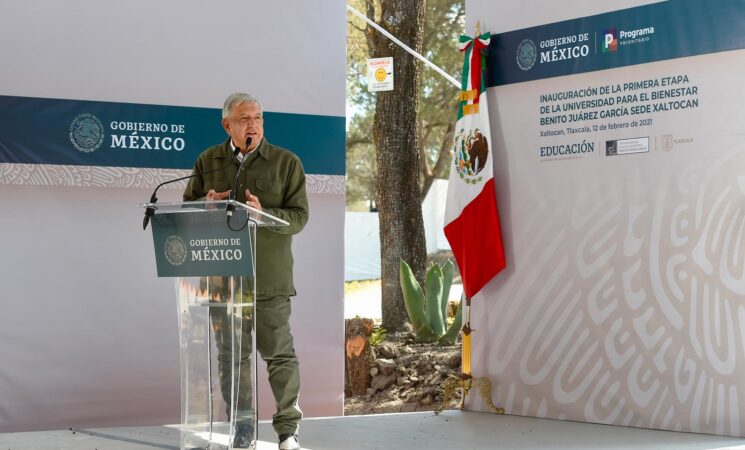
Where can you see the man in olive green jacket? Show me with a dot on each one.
(271, 179)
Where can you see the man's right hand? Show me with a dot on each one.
(212, 195)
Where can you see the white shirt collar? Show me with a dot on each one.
(239, 156)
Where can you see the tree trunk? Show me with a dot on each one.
(396, 142)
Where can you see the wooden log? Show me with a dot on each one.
(358, 356)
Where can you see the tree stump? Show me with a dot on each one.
(358, 355)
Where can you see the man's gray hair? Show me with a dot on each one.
(236, 99)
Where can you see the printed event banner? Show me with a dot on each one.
(92, 133)
(656, 32)
(619, 146)
(190, 244)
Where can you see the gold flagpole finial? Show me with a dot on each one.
(478, 28)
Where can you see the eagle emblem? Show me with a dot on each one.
(471, 155)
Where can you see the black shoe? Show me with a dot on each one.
(244, 435)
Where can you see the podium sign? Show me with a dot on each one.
(189, 245)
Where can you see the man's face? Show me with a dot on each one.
(245, 120)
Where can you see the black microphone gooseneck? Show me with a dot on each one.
(230, 208)
(150, 210)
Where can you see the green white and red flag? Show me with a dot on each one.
(471, 215)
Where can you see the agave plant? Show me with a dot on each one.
(427, 307)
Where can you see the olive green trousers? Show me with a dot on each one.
(274, 343)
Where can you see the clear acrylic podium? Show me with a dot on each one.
(214, 262)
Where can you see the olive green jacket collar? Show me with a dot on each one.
(264, 149)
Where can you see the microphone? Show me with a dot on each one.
(230, 208)
(150, 210)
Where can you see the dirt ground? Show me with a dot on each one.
(407, 376)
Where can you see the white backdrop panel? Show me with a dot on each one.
(501, 15)
(623, 301)
(175, 52)
(88, 334)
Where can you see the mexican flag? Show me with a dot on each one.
(471, 216)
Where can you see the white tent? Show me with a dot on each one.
(362, 237)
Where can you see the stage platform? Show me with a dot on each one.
(452, 430)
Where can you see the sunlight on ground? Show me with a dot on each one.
(222, 439)
(351, 287)
(362, 298)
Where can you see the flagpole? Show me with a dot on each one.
(466, 381)
(472, 89)
(465, 372)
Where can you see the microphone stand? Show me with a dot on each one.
(230, 208)
(150, 210)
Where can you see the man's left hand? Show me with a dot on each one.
(253, 201)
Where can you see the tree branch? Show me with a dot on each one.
(351, 142)
(443, 156)
(361, 30)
